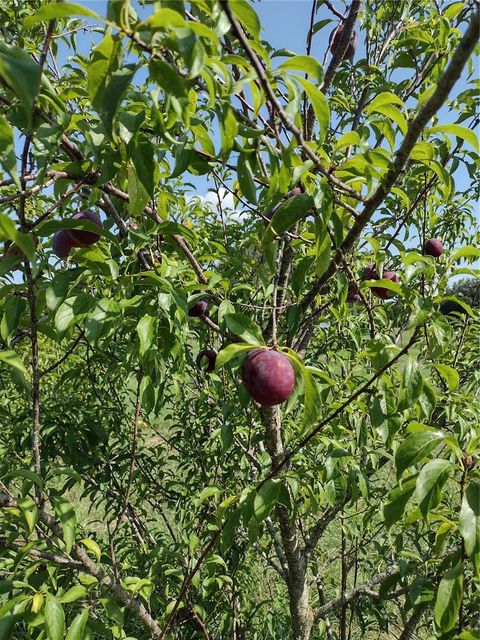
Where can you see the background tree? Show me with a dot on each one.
(145, 497)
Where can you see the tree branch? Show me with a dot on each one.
(342, 46)
(272, 98)
(449, 78)
(130, 602)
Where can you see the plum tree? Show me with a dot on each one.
(268, 376)
(433, 247)
(143, 496)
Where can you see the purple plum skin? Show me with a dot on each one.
(211, 356)
(198, 309)
(268, 376)
(381, 292)
(62, 243)
(82, 238)
(334, 41)
(352, 294)
(433, 247)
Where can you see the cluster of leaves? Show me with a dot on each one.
(157, 472)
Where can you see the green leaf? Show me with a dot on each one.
(265, 499)
(449, 374)
(146, 333)
(228, 129)
(430, 482)
(457, 130)
(469, 523)
(382, 99)
(7, 623)
(306, 64)
(54, 10)
(244, 328)
(12, 313)
(25, 473)
(54, 618)
(191, 50)
(247, 17)
(68, 520)
(73, 310)
(100, 319)
(21, 73)
(415, 448)
(112, 96)
(167, 78)
(287, 214)
(77, 628)
(466, 252)
(141, 175)
(449, 598)
(7, 150)
(312, 400)
(232, 351)
(29, 511)
(165, 18)
(397, 500)
(147, 394)
(412, 385)
(104, 60)
(323, 249)
(393, 114)
(74, 593)
(11, 358)
(8, 231)
(245, 178)
(320, 106)
(93, 547)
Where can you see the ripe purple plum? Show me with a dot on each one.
(82, 238)
(268, 376)
(62, 243)
(433, 247)
(382, 292)
(210, 355)
(334, 41)
(199, 308)
(352, 293)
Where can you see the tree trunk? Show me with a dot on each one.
(297, 579)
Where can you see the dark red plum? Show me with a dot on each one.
(210, 355)
(334, 41)
(268, 376)
(352, 294)
(382, 292)
(62, 243)
(433, 247)
(198, 309)
(81, 238)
